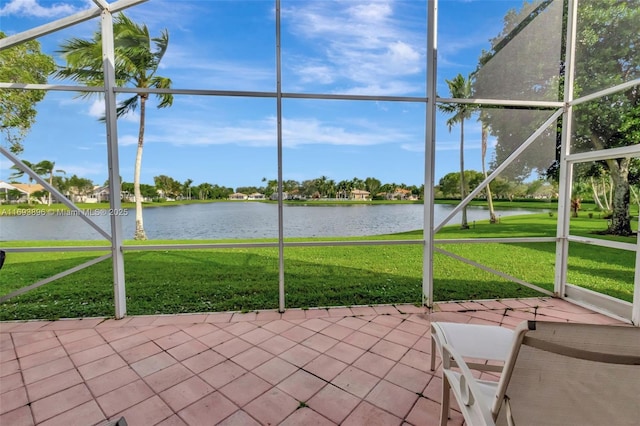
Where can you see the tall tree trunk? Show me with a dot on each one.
(492, 213)
(596, 195)
(621, 219)
(139, 233)
(463, 184)
(50, 183)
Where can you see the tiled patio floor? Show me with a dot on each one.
(350, 366)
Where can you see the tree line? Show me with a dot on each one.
(166, 187)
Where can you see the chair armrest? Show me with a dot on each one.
(474, 403)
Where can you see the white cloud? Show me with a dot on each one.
(32, 8)
(209, 72)
(85, 169)
(371, 11)
(315, 73)
(364, 44)
(96, 109)
(262, 133)
(126, 140)
(413, 147)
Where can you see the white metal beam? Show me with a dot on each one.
(281, 292)
(50, 87)
(108, 59)
(49, 28)
(503, 102)
(430, 153)
(566, 168)
(102, 4)
(607, 91)
(69, 21)
(604, 154)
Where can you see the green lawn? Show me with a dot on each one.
(247, 278)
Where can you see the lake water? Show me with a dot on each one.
(236, 220)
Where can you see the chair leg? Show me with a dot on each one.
(433, 353)
(444, 407)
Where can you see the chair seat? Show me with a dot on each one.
(473, 342)
(556, 373)
(485, 342)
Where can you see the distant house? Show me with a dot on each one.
(99, 194)
(274, 196)
(25, 190)
(400, 194)
(359, 194)
(238, 196)
(256, 196)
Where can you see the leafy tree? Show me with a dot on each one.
(357, 183)
(607, 52)
(19, 173)
(247, 189)
(292, 185)
(372, 185)
(169, 187)
(449, 184)
(321, 186)
(79, 186)
(137, 57)
(24, 63)
(272, 187)
(504, 188)
(460, 88)
(185, 191)
(48, 168)
(220, 192)
(492, 212)
(344, 188)
(204, 190)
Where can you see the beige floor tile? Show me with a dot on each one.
(306, 416)
(272, 407)
(392, 398)
(301, 385)
(245, 388)
(333, 403)
(370, 415)
(124, 397)
(186, 393)
(208, 410)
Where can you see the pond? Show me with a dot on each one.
(244, 220)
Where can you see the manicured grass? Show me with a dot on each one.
(247, 278)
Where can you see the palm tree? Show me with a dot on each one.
(186, 188)
(460, 88)
(137, 58)
(321, 184)
(46, 167)
(492, 213)
(19, 173)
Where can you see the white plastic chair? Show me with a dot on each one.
(473, 342)
(555, 374)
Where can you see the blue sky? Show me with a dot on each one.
(345, 47)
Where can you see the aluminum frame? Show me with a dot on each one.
(557, 109)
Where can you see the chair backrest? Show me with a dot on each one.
(571, 374)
